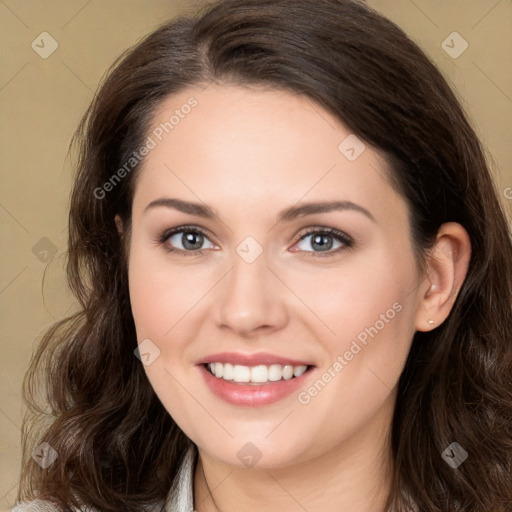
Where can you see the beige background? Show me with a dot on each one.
(41, 101)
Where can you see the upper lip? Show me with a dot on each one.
(251, 359)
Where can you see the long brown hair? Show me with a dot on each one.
(118, 448)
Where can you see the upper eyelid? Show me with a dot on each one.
(184, 229)
(326, 230)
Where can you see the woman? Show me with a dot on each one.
(295, 278)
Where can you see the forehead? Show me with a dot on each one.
(250, 147)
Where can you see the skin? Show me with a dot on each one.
(248, 153)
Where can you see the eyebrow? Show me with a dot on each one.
(286, 215)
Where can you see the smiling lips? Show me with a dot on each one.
(255, 379)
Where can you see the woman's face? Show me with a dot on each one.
(290, 250)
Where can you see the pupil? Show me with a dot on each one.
(324, 242)
(192, 240)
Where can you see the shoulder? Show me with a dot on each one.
(47, 506)
(41, 506)
(35, 506)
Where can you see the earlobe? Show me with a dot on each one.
(119, 225)
(447, 264)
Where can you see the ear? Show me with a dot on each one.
(447, 266)
(119, 225)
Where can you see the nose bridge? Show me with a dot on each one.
(250, 297)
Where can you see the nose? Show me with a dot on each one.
(251, 299)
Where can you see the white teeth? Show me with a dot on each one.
(257, 374)
(228, 372)
(275, 372)
(240, 373)
(299, 370)
(287, 372)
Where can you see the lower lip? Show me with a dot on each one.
(253, 395)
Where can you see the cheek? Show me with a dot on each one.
(160, 296)
(361, 292)
(368, 312)
(160, 301)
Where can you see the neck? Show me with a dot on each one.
(354, 476)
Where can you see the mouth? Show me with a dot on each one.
(255, 375)
(253, 380)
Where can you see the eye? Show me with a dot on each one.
(190, 240)
(324, 240)
(186, 240)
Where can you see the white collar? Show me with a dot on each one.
(181, 495)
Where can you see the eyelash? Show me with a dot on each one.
(346, 240)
